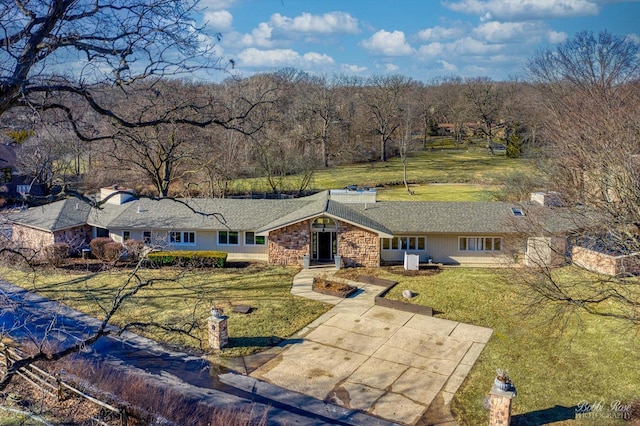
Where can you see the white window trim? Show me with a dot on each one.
(399, 239)
(227, 243)
(182, 242)
(476, 237)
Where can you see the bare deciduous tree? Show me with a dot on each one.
(385, 97)
(110, 42)
(486, 101)
(453, 105)
(590, 85)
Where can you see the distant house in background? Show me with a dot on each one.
(471, 129)
(346, 223)
(14, 185)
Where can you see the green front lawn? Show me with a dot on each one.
(593, 359)
(179, 298)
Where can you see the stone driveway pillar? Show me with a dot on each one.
(500, 412)
(218, 334)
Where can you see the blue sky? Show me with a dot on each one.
(422, 39)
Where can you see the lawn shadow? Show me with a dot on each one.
(553, 414)
(355, 294)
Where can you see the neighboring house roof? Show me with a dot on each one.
(384, 218)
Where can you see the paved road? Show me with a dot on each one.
(25, 315)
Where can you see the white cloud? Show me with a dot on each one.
(317, 58)
(471, 46)
(525, 9)
(556, 37)
(329, 23)
(466, 46)
(218, 20)
(388, 44)
(260, 36)
(475, 70)
(391, 67)
(439, 33)
(353, 68)
(432, 49)
(448, 67)
(518, 32)
(509, 32)
(253, 57)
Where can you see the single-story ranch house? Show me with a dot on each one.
(346, 223)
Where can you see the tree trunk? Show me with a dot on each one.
(383, 148)
(325, 149)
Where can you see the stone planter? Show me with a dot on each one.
(502, 385)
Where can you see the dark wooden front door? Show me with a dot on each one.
(324, 245)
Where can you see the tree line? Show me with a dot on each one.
(199, 137)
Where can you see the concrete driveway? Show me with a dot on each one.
(384, 362)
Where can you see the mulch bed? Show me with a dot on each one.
(353, 273)
(332, 288)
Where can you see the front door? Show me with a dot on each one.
(324, 245)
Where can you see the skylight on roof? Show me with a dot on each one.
(517, 212)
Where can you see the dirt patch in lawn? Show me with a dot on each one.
(352, 274)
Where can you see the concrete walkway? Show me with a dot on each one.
(398, 366)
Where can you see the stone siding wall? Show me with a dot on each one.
(75, 237)
(358, 247)
(287, 245)
(31, 238)
(35, 239)
(604, 263)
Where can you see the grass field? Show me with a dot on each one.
(439, 192)
(473, 167)
(594, 359)
(276, 313)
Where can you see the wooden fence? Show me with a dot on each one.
(53, 385)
